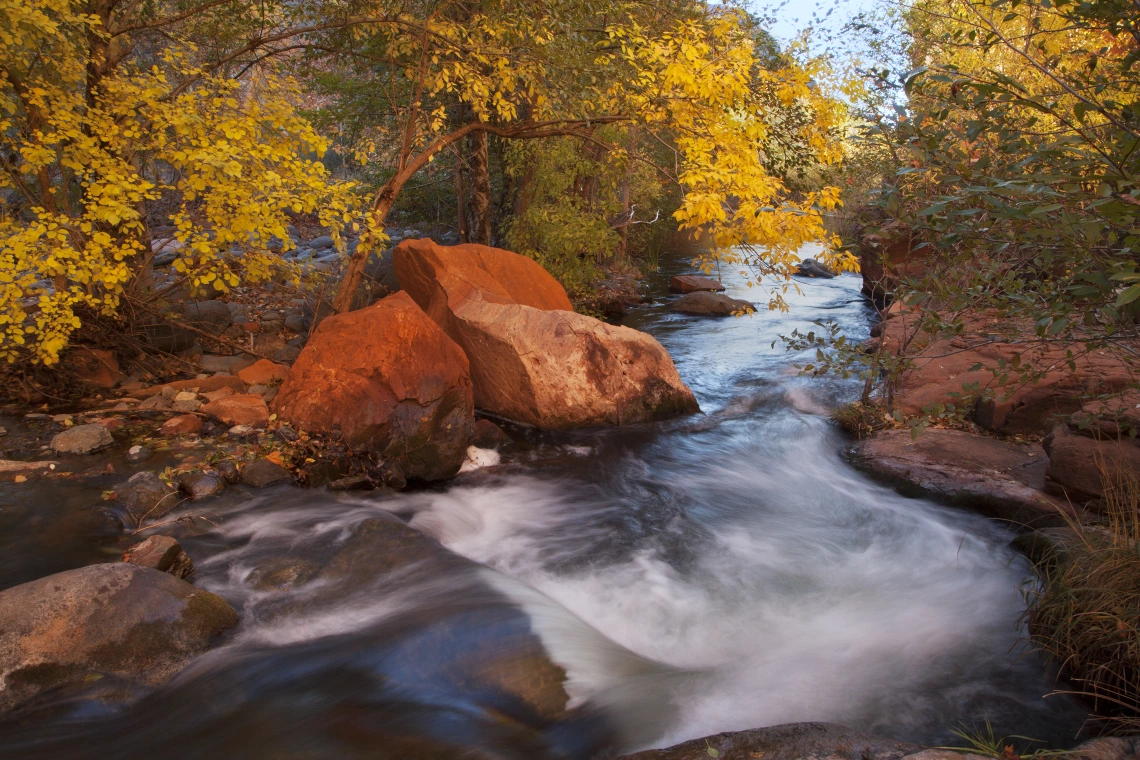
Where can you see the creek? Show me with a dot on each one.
(718, 572)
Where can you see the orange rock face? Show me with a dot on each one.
(533, 359)
(94, 365)
(391, 381)
(263, 372)
(239, 409)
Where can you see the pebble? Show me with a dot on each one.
(139, 454)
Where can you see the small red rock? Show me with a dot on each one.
(183, 424)
(219, 393)
(263, 372)
(111, 423)
(251, 327)
(239, 409)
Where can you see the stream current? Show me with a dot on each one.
(719, 572)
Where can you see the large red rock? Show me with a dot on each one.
(391, 381)
(534, 360)
(439, 276)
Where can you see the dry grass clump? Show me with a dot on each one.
(1085, 613)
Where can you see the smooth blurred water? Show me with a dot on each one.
(723, 571)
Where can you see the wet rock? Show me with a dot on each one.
(211, 316)
(282, 574)
(202, 485)
(812, 268)
(393, 475)
(111, 423)
(488, 435)
(710, 304)
(185, 424)
(239, 409)
(161, 553)
(532, 359)
(287, 434)
(691, 283)
(12, 471)
(116, 618)
(263, 372)
(1002, 479)
(351, 483)
(82, 439)
(391, 381)
(261, 472)
(139, 453)
(157, 402)
(1076, 462)
(228, 470)
(241, 432)
(791, 741)
(146, 495)
(321, 472)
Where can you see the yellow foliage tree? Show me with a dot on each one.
(91, 135)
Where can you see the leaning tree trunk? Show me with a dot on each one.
(479, 230)
(461, 202)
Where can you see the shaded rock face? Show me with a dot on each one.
(116, 618)
(710, 304)
(96, 366)
(161, 553)
(1005, 480)
(391, 381)
(691, 283)
(261, 473)
(535, 361)
(812, 268)
(1076, 461)
(790, 741)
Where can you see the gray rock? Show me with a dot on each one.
(82, 439)
(137, 453)
(119, 619)
(230, 364)
(812, 268)
(212, 316)
(298, 342)
(298, 323)
(145, 495)
(324, 241)
(261, 472)
(351, 483)
(169, 338)
(157, 402)
(710, 304)
(187, 405)
(287, 434)
(269, 395)
(169, 391)
(202, 485)
(161, 553)
(286, 355)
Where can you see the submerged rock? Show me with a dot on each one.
(82, 439)
(390, 381)
(812, 268)
(115, 618)
(532, 359)
(145, 494)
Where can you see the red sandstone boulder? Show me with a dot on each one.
(391, 381)
(239, 409)
(691, 283)
(438, 276)
(184, 424)
(536, 361)
(1076, 463)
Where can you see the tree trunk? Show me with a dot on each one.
(480, 204)
(461, 202)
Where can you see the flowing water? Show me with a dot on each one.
(724, 571)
